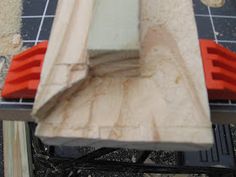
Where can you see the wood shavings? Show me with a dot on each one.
(10, 38)
(16, 40)
(10, 25)
(2, 64)
(213, 3)
(2, 61)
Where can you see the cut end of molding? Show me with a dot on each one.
(213, 3)
(123, 63)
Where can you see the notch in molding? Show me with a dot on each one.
(114, 36)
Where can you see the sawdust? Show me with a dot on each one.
(213, 3)
(10, 25)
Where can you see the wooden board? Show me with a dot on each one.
(65, 65)
(165, 108)
(16, 150)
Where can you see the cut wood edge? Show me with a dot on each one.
(201, 139)
(115, 63)
(43, 110)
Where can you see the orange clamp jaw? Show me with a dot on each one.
(220, 70)
(219, 67)
(23, 75)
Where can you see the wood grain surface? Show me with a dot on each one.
(166, 107)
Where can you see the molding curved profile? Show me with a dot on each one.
(66, 62)
(165, 107)
(87, 40)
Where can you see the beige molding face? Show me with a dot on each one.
(166, 107)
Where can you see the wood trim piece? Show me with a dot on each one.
(66, 61)
(165, 108)
(113, 47)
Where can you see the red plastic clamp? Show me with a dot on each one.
(219, 66)
(23, 75)
(220, 70)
